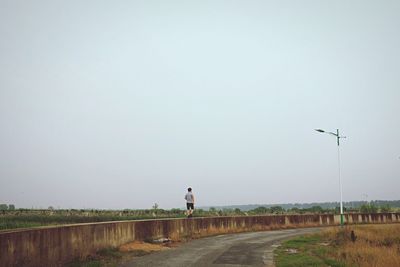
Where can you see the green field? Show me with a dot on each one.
(35, 218)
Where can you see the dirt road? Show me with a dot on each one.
(245, 249)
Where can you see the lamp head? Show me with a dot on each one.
(320, 130)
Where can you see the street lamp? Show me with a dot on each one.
(340, 180)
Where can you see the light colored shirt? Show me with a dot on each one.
(189, 197)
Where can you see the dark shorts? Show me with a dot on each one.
(190, 206)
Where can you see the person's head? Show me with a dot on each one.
(189, 189)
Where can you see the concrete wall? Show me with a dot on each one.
(55, 246)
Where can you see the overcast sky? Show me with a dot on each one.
(123, 104)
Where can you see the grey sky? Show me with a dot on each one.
(121, 104)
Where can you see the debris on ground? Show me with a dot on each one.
(161, 240)
(291, 251)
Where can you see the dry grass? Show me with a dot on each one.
(375, 245)
(142, 246)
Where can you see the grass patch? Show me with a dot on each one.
(305, 251)
(17, 224)
(108, 257)
(302, 241)
(110, 253)
(113, 257)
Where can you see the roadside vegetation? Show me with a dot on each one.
(23, 218)
(11, 218)
(359, 245)
(104, 258)
(113, 257)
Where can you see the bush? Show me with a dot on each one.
(368, 208)
(277, 210)
(260, 210)
(386, 208)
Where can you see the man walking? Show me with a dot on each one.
(189, 202)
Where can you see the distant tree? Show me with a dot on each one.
(364, 208)
(227, 212)
(316, 209)
(296, 210)
(260, 210)
(199, 212)
(50, 208)
(368, 208)
(386, 208)
(176, 211)
(277, 210)
(155, 206)
(337, 210)
(237, 211)
(3, 207)
(11, 207)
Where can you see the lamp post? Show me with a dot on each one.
(340, 180)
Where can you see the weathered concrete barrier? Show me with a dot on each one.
(58, 245)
